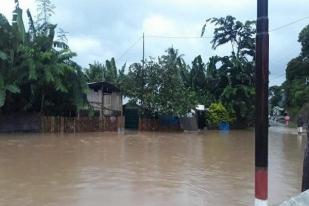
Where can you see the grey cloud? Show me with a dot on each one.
(117, 24)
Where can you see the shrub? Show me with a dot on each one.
(217, 113)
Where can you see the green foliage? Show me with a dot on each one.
(198, 74)
(303, 38)
(9, 50)
(217, 114)
(238, 34)
(297, 71)
(95, 72)
(230, 79)
(45, 9)
(194, 78)
(106, 72)
(169, 86)
(159, 87)
(38, 74)
(37, 71)
(175, 98)
(276, 94)
(111, 73)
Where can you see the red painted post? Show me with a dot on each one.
(261, 124)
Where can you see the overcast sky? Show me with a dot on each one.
(101, 29)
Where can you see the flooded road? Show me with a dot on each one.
(148, 169)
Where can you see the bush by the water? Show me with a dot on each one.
(217, 114)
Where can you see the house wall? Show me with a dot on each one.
(94, 98)
(112, 101)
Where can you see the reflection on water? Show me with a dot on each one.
(143, 169)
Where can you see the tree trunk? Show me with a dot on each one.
(305, 184)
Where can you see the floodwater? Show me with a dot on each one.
(146, 169)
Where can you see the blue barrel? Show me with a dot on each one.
(224, 126)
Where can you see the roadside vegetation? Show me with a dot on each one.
(38, 74)
(293, 94)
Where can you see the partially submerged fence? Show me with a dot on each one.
(83, 124)
(147, 124)
(57, 124)
(20, 122)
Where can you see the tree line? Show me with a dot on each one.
(293, 94)
(37, 73)
(167, 85)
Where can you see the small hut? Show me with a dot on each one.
(105, 98)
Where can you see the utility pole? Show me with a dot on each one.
(143, 70)
(102, 97)
(143, 50)
(261, 123)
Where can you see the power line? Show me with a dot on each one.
(159, 36)
(128, 49)
(177, 37)
(289, 24)
(210, 37)
(198, 37)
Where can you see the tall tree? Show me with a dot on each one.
(159, 86)
(239, 35)
(198, 74)
(303, 38)
(9, 46)
(42, 69)
(45, 9)
(276, 96)
(297, 72)
(106, 72)
(233, 75)
(111, 71)
(95, 72)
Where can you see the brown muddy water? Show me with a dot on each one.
(146, 169)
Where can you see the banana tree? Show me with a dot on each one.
(8, 49)
(40, 67)
(50, 66)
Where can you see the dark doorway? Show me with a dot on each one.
(131, 118)
(201, 119)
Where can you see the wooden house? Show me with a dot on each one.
(105, 98)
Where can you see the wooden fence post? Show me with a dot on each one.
(62, 125)
(104, 123)
(74, 125)
(52, 124)
(42, 124)
(139, 124)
